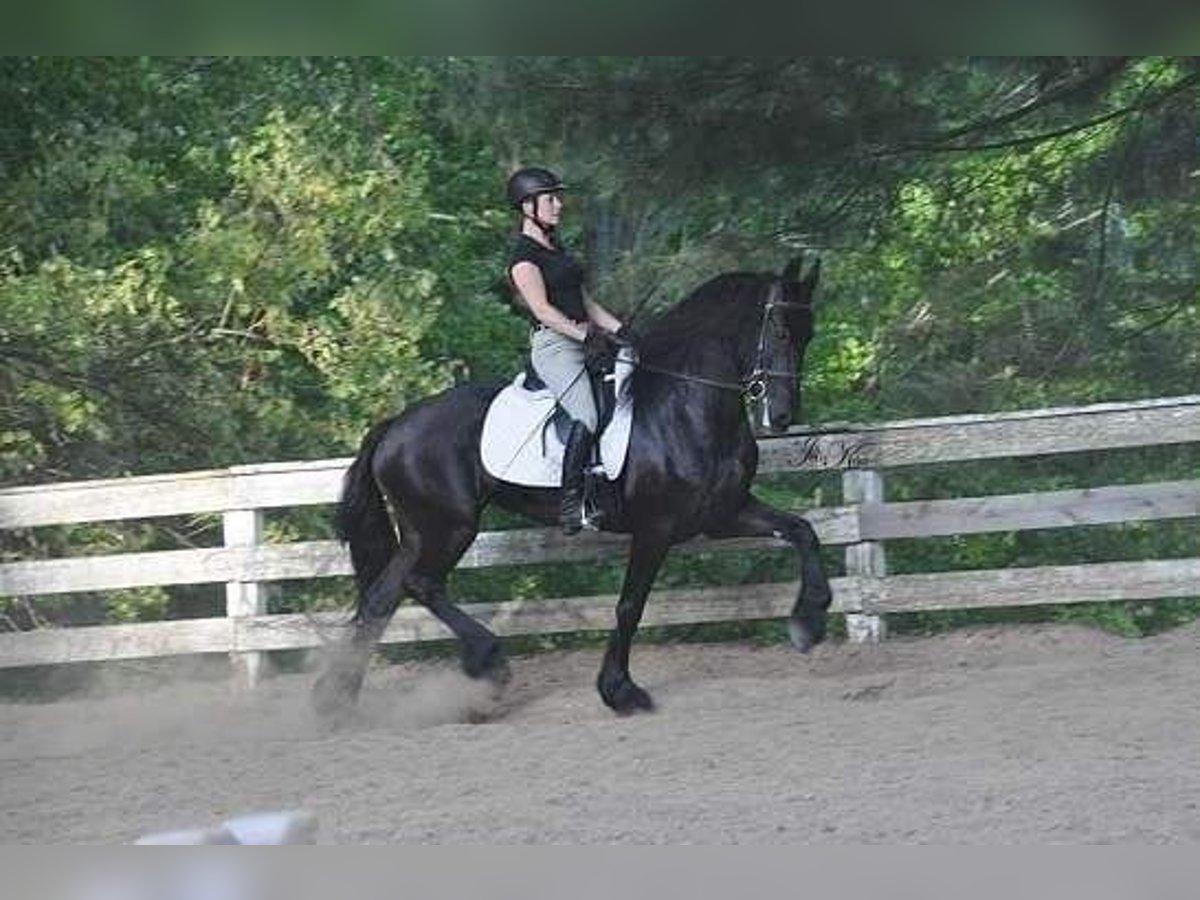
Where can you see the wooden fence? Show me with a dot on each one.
(861, 525)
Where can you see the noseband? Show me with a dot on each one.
(755, 384)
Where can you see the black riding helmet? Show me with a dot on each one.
(529, 182)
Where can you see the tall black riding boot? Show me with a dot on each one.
(576, 457)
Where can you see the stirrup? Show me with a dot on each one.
(590, 513)
(591, 518)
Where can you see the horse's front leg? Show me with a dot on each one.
(807, 622)
(614, 682)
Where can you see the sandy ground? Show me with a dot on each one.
(1017, 735)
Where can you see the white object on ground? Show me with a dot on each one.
(257, 829)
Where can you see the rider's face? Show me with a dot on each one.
(548, 207)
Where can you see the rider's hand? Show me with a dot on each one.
(596, 346)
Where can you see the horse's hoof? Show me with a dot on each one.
(626, 698)
(498, 673)
(333, 697)
(491, 665)
(804, 636)
(324, 703)
(331, 713)
(346, 717)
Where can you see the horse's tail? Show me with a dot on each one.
(363, 522)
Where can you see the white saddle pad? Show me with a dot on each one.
(520, 444)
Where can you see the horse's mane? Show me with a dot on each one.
(719, 308)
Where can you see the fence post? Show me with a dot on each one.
(865, 559)
(243, 528)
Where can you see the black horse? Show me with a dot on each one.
(413, 497)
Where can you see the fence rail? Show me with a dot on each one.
(862, 524)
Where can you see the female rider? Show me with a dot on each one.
(549, 281)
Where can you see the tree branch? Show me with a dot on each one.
(46, 372)
(1178, 87)
(1111, 68)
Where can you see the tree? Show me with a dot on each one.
(206, 261)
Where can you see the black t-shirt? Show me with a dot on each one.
(561, 272)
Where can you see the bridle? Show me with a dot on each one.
(756, 381)
(754, 385)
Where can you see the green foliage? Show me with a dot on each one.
(1133, 619)
(215, 261)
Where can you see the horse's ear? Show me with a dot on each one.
(810, 280)
(791, 272)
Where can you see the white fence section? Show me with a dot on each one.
(863, 452)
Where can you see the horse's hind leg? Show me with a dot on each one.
(481, 654)
(421, 574)
(345, 667)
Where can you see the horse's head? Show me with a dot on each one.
(786, 329)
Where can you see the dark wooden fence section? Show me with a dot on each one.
(862, 524)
